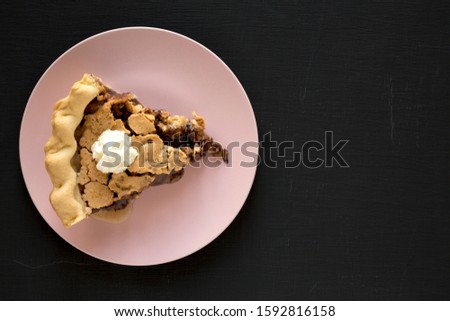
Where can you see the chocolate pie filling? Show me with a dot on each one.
(165, 143)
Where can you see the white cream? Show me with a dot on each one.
(113, 151)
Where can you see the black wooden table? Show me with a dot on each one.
(375, 73)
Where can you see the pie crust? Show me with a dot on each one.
(65, 196)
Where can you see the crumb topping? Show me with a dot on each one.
(142, 124)
(165, 145)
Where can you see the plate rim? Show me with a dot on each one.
(80, 43)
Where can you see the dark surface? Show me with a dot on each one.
(373, 72)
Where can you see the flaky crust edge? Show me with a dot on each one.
(60, 148)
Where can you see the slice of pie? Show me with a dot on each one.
(106, 148)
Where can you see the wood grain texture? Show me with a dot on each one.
(375, 73)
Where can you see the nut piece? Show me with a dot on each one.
(119, 125)
(142, 124)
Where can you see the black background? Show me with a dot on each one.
(373, 72)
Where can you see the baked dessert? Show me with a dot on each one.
(106, 148)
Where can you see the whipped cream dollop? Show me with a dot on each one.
(113, 152)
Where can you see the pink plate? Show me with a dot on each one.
(166, 71)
